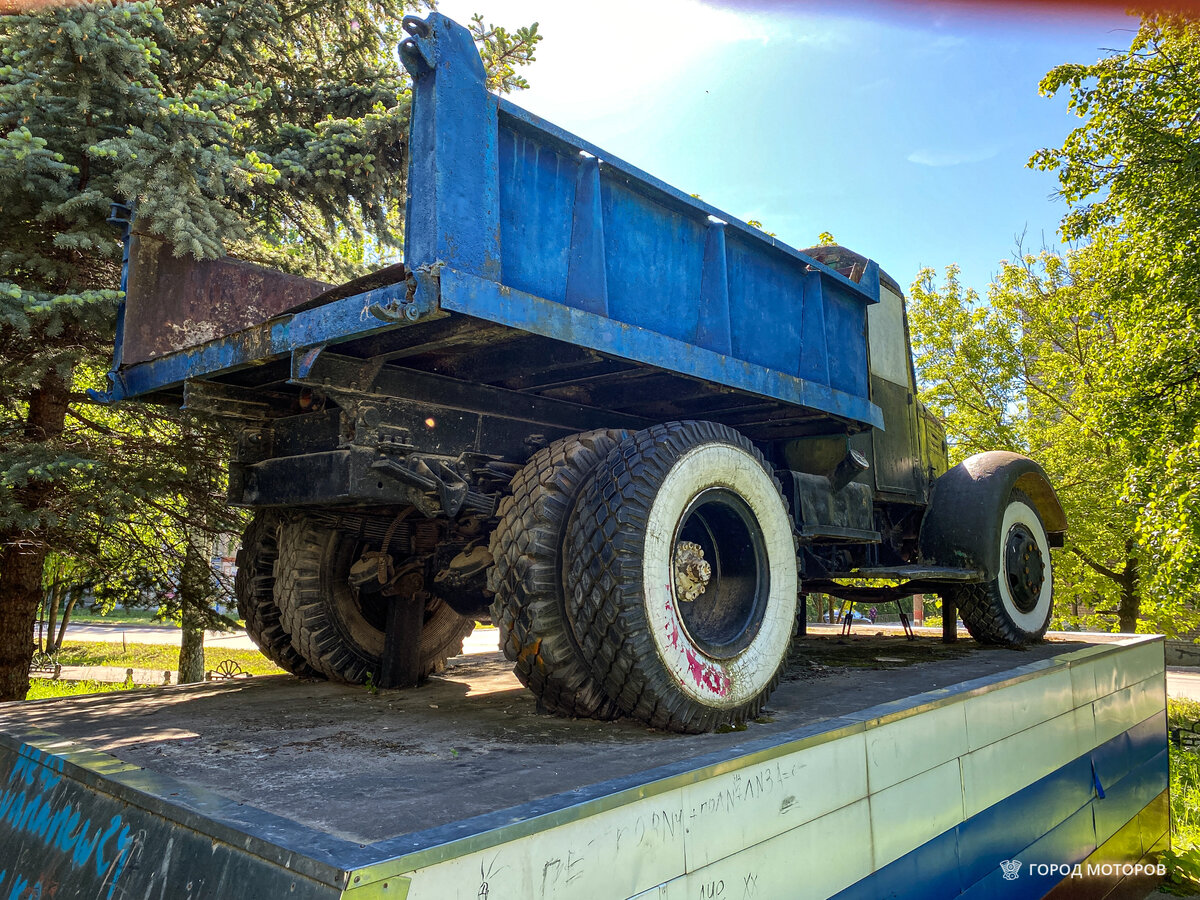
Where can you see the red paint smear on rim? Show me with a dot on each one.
(671, 626)
(707, 675)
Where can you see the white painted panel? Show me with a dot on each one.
(1118, 671)
(1139, 663)
(613, 854)
(811, 862)
(997, 714)
(1122, 710)
(1114, 714)
(1084, 727)
(1107, 672)
(906, 815)
(745, 807)
(906, 747)
(885, 330)
(993, 772)
(672, 890)
(1151, 698)
(1083, 682)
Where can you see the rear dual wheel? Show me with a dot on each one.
(336, 628)
(680, 577)
(254, 587)
(526, 576)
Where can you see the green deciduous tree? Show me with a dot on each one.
(1090, 361)
(1132, 173)
(274, 130)
(1016, 372)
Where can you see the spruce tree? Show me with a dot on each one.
(273, 130)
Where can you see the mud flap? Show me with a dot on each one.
(402, 642)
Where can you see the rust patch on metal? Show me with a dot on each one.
(178, 302)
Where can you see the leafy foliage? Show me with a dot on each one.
(1090, 361)
(274, 130)
(1016, 373)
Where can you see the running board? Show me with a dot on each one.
(914, 573)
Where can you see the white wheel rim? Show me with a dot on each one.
(725, 682)
(1019, 513)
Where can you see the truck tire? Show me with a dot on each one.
(675, 663)
(339, 632)
(254, 587)
(527, 576)
(1013, 609)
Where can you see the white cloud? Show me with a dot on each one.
(942, 158)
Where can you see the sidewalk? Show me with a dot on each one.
(114, 675)
(481, 640)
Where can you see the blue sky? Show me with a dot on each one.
(903, 129)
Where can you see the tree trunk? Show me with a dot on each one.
(72, 599)
(52, 618)
(194, 589)
(1130, 604)
(23, 554)
(53, 596)
(20, 592)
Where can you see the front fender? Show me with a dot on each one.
(961, 526)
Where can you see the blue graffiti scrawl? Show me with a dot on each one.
(49, 840)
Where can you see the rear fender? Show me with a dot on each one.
(961, 525)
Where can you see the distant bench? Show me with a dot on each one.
(225, 670)
(44, 665)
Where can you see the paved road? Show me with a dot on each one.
(1183, 684)
(482, 640)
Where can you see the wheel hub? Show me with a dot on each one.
(720, 573)
(692, 571)
(1024, 568)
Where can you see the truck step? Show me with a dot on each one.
(914, 573)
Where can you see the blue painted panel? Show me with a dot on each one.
(846, 327)
(1071, 842)
(515, 117)
(654, 263)
(537, 192)
(1125, 799)
(488, 300)
(766, 303)
(1117, 758)
(929, 874)
(1022, 818)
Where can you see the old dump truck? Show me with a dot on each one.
(627, 426)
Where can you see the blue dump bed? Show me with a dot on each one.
(516, 227)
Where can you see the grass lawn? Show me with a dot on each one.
(118, 616)
(158, 656)
(1184, 860)
(122, 616)
(44, 688)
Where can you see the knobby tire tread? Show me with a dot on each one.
(604, 586)
(981, 607)
(305, 549)
(254, 588)
(528, 609)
